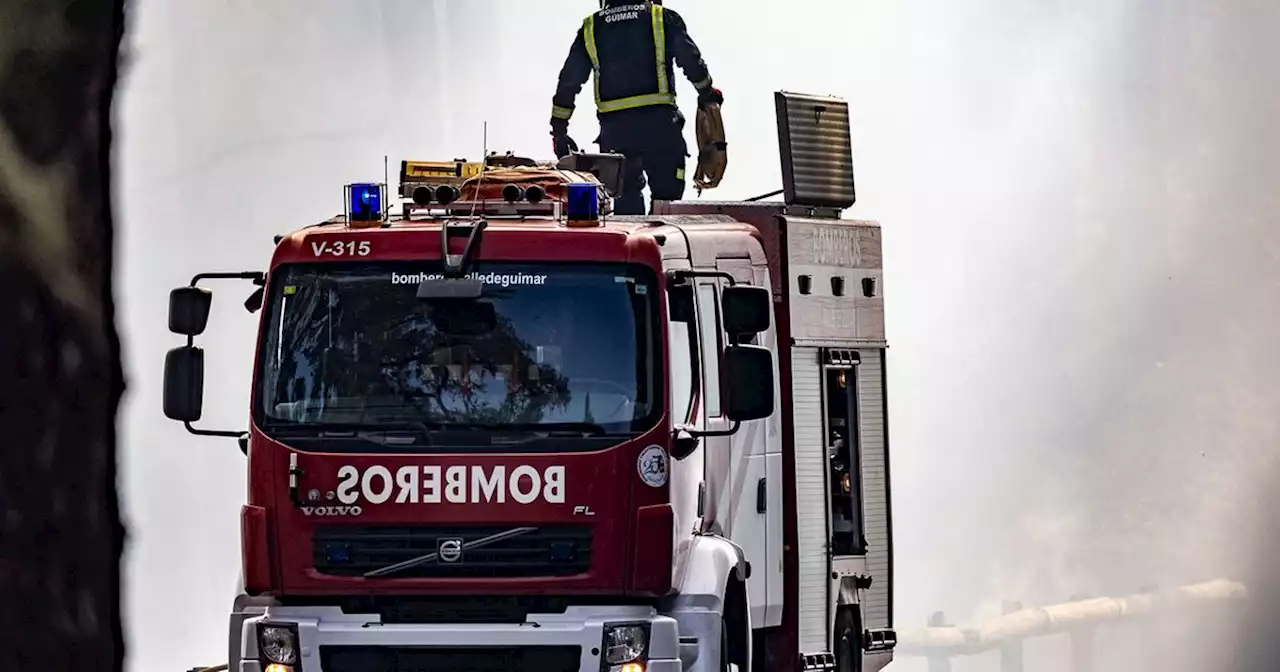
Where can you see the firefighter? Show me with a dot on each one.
(628, 47)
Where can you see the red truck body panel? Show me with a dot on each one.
(632, 522)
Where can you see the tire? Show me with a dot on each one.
(735, 633)
(848, 646)
(724, 645)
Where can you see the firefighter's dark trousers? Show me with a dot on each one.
(652, 140)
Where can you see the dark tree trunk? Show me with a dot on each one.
(60, 373)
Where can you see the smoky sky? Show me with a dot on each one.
(1078, 201)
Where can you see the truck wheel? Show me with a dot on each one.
(848, 639)
(724, 645)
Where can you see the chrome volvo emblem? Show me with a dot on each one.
(450, 550)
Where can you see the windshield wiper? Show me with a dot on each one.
(583, 429)
(543, 428)
(375, 432)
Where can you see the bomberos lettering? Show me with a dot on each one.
(434, 484)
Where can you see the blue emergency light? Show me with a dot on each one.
(583, 202)
(365, 202)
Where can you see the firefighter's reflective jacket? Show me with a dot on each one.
(628, 51)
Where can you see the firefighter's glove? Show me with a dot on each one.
(710, 95)
(713, 154)
(563, 145)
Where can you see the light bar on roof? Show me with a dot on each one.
(491, 208)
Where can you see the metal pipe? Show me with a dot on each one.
(513, 193)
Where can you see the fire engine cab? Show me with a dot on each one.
(494, 427)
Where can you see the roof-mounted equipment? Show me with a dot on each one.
(606, 167)
(816, 151)
(508, 160)
(511, 186)
(583, 204)
(424, 182)
(513, 193)
(446, 194)
(364, 204)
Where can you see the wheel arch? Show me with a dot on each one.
(710, 563)
(714, 584)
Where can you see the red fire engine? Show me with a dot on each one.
(504, 429)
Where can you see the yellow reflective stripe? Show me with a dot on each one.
(589, 39)
(703, 84)
(680, 174)
(664, 96)
(561, 112)
(636, 101)
(660, 47)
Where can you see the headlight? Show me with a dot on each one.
(278, 643)
(625, 643)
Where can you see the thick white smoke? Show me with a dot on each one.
(1078, 201)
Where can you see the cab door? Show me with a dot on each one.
(745, 490)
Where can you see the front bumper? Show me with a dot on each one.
(582, 627)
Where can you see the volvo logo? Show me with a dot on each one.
(450, 550)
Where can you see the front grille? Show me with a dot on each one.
(449, 659)
(552, 550)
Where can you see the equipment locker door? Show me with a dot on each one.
(812, 533)
(877, 607)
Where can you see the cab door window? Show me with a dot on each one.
(712, 344)
(686, 364)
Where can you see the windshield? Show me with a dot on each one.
(558, 350)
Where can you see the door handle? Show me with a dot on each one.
(762, 491)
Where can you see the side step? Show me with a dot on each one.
(817, 662)
(873, 641)
(879, 640)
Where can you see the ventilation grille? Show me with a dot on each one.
(352, 550)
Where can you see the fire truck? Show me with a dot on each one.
(495, 427)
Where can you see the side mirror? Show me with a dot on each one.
(189, 310)
(748, 383)
(746, 309)
(184, 383)
(254, 303)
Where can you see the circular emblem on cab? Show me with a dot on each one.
(652, 466)
(450, 550)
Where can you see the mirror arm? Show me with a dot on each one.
(702, 433)
(210, 432)
(677, 276)
(258, 277)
